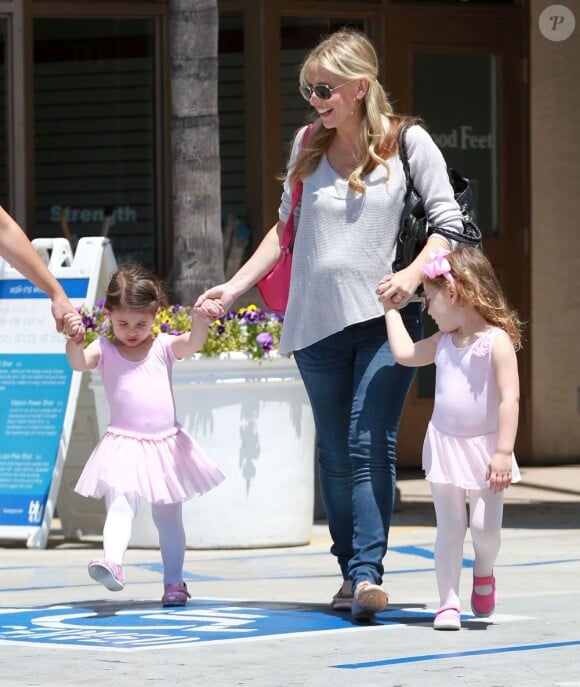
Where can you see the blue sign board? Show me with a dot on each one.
(38, 389)
(35, 380)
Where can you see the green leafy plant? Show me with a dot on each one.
(249, 330)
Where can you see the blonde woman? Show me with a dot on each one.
(334, 325)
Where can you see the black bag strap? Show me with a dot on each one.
(404, 157)
(471, 234)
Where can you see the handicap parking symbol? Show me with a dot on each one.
(139, 625)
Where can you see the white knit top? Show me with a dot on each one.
(346, 241)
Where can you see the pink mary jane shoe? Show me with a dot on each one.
(175, 595)
(107, 573)
(447, 618)
(483, 605)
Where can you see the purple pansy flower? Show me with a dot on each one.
(265, 341)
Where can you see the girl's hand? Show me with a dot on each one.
(203, 314)
(73, 327)
(389, 305)
(209, 309)
(499, 472)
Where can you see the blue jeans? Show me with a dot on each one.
(357, 392)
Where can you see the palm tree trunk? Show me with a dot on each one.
(197, 244)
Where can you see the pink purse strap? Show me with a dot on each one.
(288, 233)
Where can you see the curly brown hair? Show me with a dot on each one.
(478, 286)
(134, 287)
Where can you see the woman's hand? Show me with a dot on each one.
(394, 290)
(258, 265)
(60, 306)
(222, 293)
(401, 286)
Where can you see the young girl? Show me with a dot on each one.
(144, 453)
(470, 438)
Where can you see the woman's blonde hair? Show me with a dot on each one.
(349, 55)
(477, 285)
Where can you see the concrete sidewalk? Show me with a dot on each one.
(545, 496)
(261, 617)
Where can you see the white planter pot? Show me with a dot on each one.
(255, 422)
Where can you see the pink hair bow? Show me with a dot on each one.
(438, 265)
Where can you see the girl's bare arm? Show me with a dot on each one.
(406, 351)
(505, 367)
(201, 317)
(82, 359)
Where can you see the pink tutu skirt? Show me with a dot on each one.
(163, 468)
(461, 461)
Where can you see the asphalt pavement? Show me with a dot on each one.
(260, 617)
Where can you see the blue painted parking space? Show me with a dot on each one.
(138, 625)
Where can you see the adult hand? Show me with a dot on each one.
(394, 290)
(60, 306)
(222, 293)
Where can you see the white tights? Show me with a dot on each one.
(121, 511)
(486, 512)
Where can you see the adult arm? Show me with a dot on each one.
(431, 180)
(16, 248)
(266, 254)
(257, 266)
(403, 284)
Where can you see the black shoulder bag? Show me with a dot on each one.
(415, 227)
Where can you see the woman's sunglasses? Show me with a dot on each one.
(321, 90)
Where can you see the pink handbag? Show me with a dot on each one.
(274, 287)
